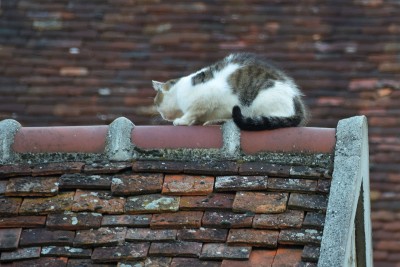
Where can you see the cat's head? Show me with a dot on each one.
(166, 100)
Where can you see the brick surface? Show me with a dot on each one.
(23, 221)
(238, 183)
(9, 206)
(187, 185)
(137, 184)
(178, 248)
(310, 253)
(82, 181)
(32, 186)
(66, 251)
(227, 219)
(260, 202)
(37, 206)
(98, 201)
(255, 168)
(20, 254)
(292, 185)
(9, 238)
(308, 202)
(212, 201)
(154, 203)
(127, 220)
(177, 220)
(209, 235)
(105, 236)
(288, 219)
(125, 252)
(184, 262)
(300, 237)
(74, 221)
(44, 237)
(287, 257)
(220, 251)
(144, 234)
(254, 238)
(314, 220)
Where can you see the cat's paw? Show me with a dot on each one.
(180, 121)
(215, 122)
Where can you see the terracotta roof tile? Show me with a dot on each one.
(188, 185)
(32, 186)
(104, 236)
(9, 238)
(136, 184)
(82, 181)
(95, 220)
(74, 221)
(288, 257)
(218, 251)
(273, 170)
(177, 248)
(260, 202)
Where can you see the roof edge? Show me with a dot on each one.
(349, 188)
(122, 140)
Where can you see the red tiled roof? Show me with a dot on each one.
(141, 214)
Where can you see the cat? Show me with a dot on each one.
(242, 87)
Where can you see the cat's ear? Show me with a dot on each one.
(158, 86)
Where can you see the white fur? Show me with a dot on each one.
(213, 100)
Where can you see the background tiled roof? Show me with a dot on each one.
(74, 63)
(107, 213)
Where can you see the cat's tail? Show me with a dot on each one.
(269, 123)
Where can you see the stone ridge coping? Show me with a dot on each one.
(121, 140)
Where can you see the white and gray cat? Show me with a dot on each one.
(242, 87)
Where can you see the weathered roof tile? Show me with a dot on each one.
(46, 205)
(292, 185)
(287, 219)
(255, 168)
(56, 168)
(158, 166)
(177, 220)
(187, 185)
(104, 236)
(258, 258)
(177, 248)
(42, 236)
(310, 253)
(10, 206)
(314, 220)
(9, 238)
(153, 203)
(308, 202)
(136, 184)
(66, 251)
(203, 235)
(300, 236)
(211, 167)
(127, 220)
(74, 221)
(84, 181)
(252, 237)
(227, 219)
(98, 201)
(23, 221)
(310, 172)
(212, 201)
(32, 186)
(145, 234)
(106, 167)
(21, 254)
(238, 183)
(184, 262)
(260, 202)
(125, 252)
(220, 251)
(287, 257)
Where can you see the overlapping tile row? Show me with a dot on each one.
(154, 213)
